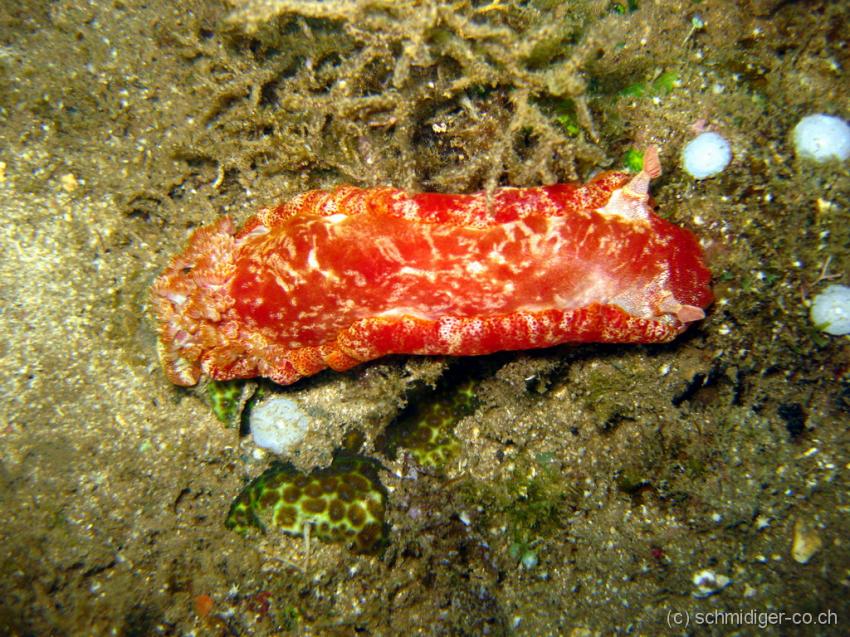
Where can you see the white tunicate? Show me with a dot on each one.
(706, 155)
(822, 137)
(831, 310)
(278, 424)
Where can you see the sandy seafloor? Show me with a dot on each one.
(627, 471)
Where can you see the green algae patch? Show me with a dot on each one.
(529, 504)
(665, 83)
(623, 8)
(342, 503)
(662, 85)
(633, 160)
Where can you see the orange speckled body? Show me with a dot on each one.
(335, 278)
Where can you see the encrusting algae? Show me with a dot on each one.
(343, 502)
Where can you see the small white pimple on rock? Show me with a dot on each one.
(830, 310)
(706, 155)
(822, 138)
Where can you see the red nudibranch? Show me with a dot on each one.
(336, 278)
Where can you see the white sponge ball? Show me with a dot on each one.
(822, 137)
(278, 424)
(831, 310)
(706, 155)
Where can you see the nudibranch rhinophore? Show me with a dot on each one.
(336, 278)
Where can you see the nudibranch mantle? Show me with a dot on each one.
(336, 278)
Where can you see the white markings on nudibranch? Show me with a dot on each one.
(475, 267)
(389, 250)
(414, 312)
(408, 208)
(282, 272)
(312, 261)
(356, 277)
(449, 333)
(432, 247)
(419, 273)
(496, 256)
(531, 324)
(289, 245)
(591, 229)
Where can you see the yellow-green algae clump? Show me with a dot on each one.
(344, 502)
